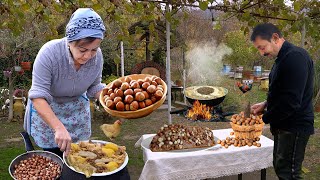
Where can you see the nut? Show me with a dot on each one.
(128, 79)
(30, 168)
(161, 144)
(124, 86)
(145, 85)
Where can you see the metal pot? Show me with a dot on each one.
(68, 173)
(30, 151)
(212, 99)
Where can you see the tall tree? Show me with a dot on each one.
(46, 19)
(294, 15)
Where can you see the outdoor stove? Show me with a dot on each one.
(203, 113)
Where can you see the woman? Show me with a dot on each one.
(66, 71)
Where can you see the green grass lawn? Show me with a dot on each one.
(317, 121)
(11, 145)
(6, 156)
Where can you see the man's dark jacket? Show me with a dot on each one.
(289, 102)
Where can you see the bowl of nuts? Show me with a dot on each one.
(36, 165)
(247, 127)
(133, 96)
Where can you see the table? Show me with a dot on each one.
(211, 163)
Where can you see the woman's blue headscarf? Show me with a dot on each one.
(84, 22)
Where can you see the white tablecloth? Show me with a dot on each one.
(211, 163)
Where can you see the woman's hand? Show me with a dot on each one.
(61, 135)
(63, 139)
(258, 108)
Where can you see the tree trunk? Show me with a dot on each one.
(147, 48)
(10, 118)
(303, 34)
(117, 69)
(316, 98)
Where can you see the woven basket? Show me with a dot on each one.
(258, 129)
(247, 132)
(140, 112)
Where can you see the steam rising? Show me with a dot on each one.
(204, 61)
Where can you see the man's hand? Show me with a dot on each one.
(258, 108)
(63, 139)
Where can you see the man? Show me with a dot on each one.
(289, 102)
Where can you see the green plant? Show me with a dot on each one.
(159, 56)
(109, 78)
(243, 51)
(316, 86)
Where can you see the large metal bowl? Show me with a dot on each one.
(212, 99)
(124, 164)
(29, 154)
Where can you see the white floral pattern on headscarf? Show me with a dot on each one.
(85, 22)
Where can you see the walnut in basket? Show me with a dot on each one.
(240, 119)
(248, 128)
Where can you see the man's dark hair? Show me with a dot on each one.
(264, 31)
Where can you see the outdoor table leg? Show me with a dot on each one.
(263, 174)
(239, 176)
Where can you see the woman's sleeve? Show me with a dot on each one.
(42, 76)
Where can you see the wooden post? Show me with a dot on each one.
(122, 59)
(184, 75)
(303, 34)
(263, 174)
(10, 118)
(168, 75)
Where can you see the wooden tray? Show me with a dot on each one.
(140, 112)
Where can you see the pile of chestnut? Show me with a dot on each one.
(131, 95)
(37, 167)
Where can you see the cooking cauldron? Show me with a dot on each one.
(208, 95)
